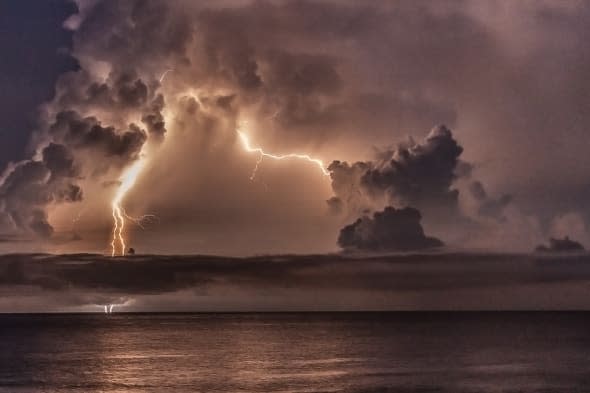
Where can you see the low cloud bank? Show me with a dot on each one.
(314, 282)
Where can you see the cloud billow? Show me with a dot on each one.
(31, 185)
(414, 173)
(87, 133)
(389, 230)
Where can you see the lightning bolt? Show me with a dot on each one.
(129, 177)
(118, 212)
(262, 154)
(142, 220)
(127, 181)
(258, 161)
(164, 74)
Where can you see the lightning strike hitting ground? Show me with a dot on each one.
(127, 181)
(129, 177)
(246, 144)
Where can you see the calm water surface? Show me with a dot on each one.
(364, 352)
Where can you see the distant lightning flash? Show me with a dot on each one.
(164, 74)
(246, 144)
(143, 220)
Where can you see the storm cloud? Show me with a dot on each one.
(31, 185)
(388, 230)
(416, 173)
(327, 79)
(89, 134)
(561, 245)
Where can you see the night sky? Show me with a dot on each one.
(36, 51)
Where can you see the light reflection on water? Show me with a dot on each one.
(418, 352)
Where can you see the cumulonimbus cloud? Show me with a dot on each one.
(388, 230)
(325, 78)
(415, 173)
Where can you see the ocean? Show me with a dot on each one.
(296, 352)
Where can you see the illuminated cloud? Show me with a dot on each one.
(416, 173)
(172, 81)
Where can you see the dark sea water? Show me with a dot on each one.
(340, 352)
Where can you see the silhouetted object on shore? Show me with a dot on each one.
(131, 251)
(389, 230)
(561, 245)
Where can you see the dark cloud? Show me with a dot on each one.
(429, 175)
(420, 173)
(561, 245)
(31, 185)
(59, 161)
(74, 146)
(130, 91)
(414, 173)
(69, 193)
(153, 118)
(390, 230)
(25, 183)
(89, 133)
(121, 93)
(125, 90)
(126, 144)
